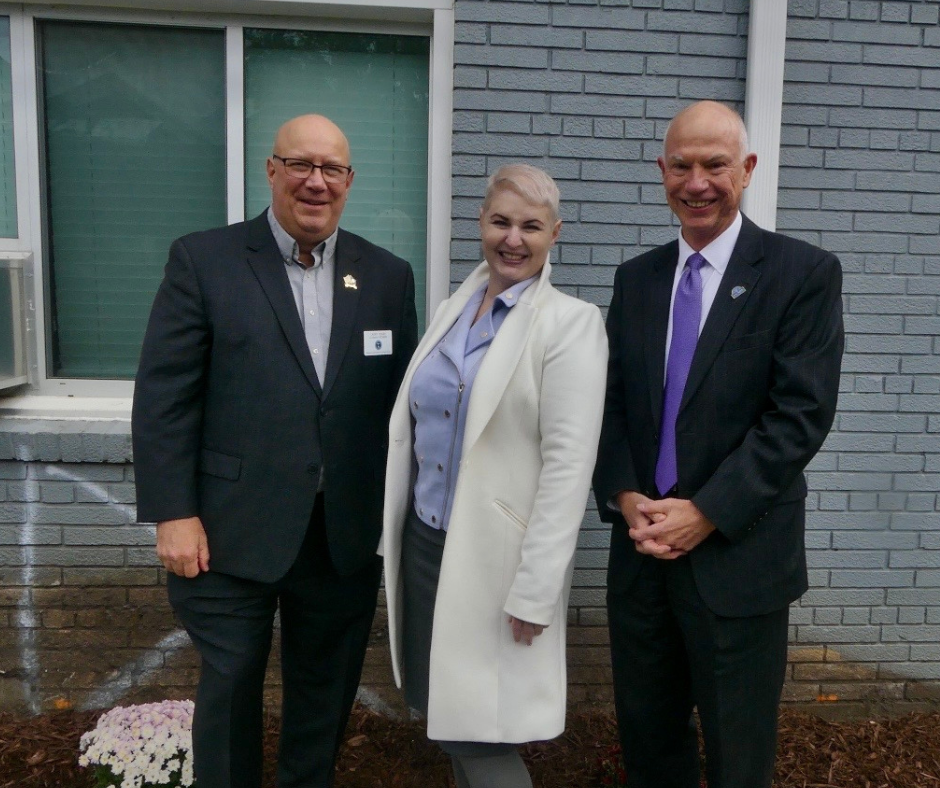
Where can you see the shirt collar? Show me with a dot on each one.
(718, 252)
(290, 249)
(510, 296)
(504, 301)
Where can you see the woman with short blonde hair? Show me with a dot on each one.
(492, 444)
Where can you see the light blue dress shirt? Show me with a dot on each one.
(312, 289)
(440, 392)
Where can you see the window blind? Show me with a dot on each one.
(7, 164)
(134, 119)
(375, 88)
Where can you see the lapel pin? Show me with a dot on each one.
(735, 291)
(349, 282)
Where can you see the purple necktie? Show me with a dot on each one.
(686, 316)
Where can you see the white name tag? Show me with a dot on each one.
(377, 343)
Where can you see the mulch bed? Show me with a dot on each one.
(903, 752)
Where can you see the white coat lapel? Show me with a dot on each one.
(449, 310)
(501, 361)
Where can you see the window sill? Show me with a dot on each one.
(35, 428)
(68, 408)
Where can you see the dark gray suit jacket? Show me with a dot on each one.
(230, 422)
(759, 401)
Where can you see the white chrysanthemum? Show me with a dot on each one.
(149, 745)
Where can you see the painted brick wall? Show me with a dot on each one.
(70, 594)
(860, 175)
(83, 611)
(584, 88)
(84, 617)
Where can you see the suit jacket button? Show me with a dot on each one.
(313, 469)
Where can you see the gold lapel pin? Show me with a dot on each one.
(350, 282)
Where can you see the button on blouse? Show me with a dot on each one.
(440, 394)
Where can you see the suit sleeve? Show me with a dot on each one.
(570, 407)
(168, 395)
(615, 470)
(801, 407)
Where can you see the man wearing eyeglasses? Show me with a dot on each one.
(272, 358)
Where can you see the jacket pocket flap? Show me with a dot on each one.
(747, 341)
(510, 515)
(224, 466)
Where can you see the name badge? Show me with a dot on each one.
(377, 343)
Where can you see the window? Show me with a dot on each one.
(7, 161)
(375, 87)
(134, 119)
(135, 127)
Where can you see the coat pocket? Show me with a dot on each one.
(225, 466)
(510, 515)
(748, 341)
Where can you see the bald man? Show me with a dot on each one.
(271, 361)
(725, 348)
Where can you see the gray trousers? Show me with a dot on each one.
(476, 764)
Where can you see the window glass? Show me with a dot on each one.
(7, 165)
(134, 121)
(374, 87)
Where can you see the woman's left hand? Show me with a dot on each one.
(524, 631)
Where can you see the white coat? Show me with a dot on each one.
(530, 442)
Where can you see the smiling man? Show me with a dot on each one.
(725, 348)
(272, 358)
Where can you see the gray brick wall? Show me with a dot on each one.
(584, 88)
(82, 610)
(84, 618)
(861, 153)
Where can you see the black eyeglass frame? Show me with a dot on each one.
(342, 173)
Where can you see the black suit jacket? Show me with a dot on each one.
(230, 422)
(759, 401)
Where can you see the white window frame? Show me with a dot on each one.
(433, 18)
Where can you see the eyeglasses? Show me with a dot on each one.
(301, 168)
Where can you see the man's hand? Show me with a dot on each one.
(630, 503)
(524, 631)
(674, 523)
(182, 546)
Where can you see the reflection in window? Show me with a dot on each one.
(135, 156)
(374, 87)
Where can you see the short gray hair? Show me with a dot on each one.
(532, 184)
(743, 143)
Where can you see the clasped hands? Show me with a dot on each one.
(666, 529)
